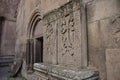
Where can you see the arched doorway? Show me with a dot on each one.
(34, 47)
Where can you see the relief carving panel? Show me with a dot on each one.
(69, 41)
(50, 43)
(63, 35)
(67, 35)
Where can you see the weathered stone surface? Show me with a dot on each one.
(20, 31)
(110, 32)
(8, 8)
(100, 9)
(113, 63)
(103, 31)
(69, 38)
(8, 38)
(102, 35)
(96, 48)
(40, 76)
(63, 35)
(16, 66)
(103, 17)
(50, 6)
(50, 55)
(62, 73)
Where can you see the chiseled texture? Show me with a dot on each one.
(103, 32)
(63, 73)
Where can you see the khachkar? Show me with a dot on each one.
(63, 35)
(69, 38)
(63, 44)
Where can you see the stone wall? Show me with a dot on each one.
(102, 33)
(8, 38)
(8, 10)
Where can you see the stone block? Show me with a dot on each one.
(8, 38)
(110, 32)
(47, 6)
(55, 72)
(113, 64)
(101, 35)
(100, 9)
(63, 35)
(96, 48)
(69, 40)
(8, 9)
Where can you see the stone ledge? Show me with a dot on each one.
(65, 74)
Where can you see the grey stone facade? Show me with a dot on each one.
(68, 39)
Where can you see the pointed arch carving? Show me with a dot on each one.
(30, 55)
(35, 17)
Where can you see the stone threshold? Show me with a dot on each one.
(65, 73)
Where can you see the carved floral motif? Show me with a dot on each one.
(67, 30)
(49, 33)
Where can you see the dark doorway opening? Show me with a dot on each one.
(2, 19)
(39, 50)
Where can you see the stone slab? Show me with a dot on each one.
(55, 72)
(113, 64)
(96, 48)
(69, 40)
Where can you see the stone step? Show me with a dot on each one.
(6, 56)
(6, 60)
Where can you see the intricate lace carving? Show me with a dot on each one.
(67, 34)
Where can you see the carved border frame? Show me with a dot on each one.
(84, 60)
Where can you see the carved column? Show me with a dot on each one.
(28, 53)
(84, 58)
(31, 54)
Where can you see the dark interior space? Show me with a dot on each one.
(1, 26)
(39, 50)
